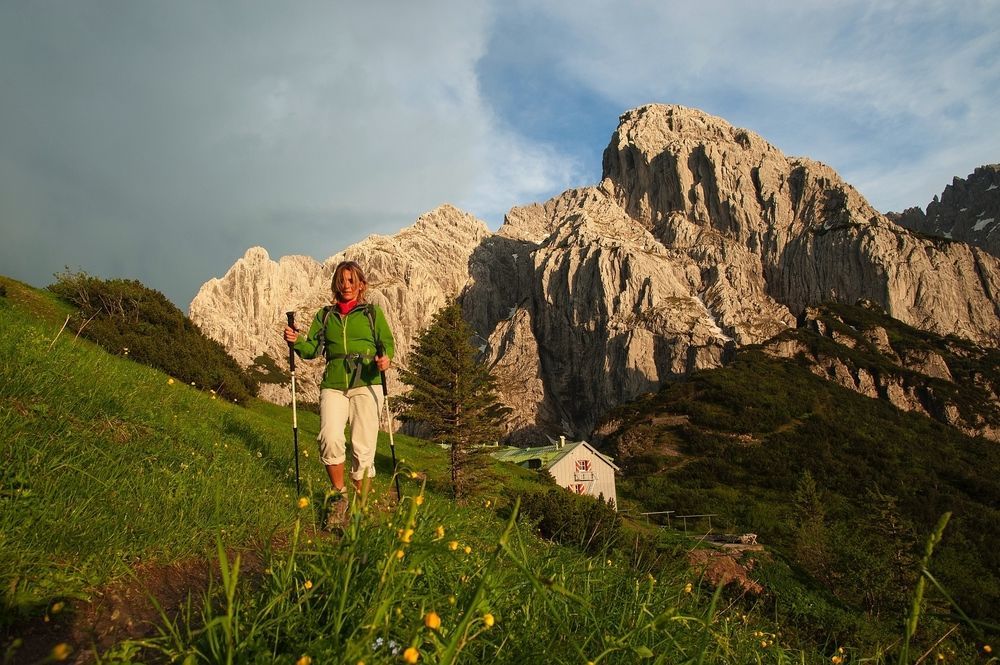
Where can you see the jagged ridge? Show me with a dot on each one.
(700, 238)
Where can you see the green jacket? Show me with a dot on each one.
(350, 347)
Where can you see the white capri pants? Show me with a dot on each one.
(360, 407)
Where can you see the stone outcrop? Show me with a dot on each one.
(911, 377)
(716, 191)
(700, 238)
(968, 211)
(410, 275)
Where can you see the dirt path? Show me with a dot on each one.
(124, 609)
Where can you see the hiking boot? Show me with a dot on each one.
(337, 512)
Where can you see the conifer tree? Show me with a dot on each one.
(453, 394)
(810, 530)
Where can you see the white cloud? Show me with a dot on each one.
(299, 127)
(158, 141)
(866, 87)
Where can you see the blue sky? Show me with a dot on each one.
(158, 141)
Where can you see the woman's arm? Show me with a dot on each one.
(308, 347)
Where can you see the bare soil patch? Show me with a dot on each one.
(122, 610)
(725, 567)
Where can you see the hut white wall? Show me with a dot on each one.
(603, 475)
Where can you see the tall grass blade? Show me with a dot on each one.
(918, 595)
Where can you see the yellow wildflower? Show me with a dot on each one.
(432, 620)
(411, 655)
(170, 381)
(407, 536)
(488, 620)
(453, 545)
(303, 502)
(419, 500)
(439, 532)
(304, 660)
(61, 651)
(763, 644)
(308, 585)
(488, 503)
(414, 475)
(688, 587)
(468, 550)
(57, 607)
(400, 554)
(836, 660)
(987, 648)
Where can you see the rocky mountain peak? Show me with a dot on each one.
(652, 129)
(700, 238)
(968, 211)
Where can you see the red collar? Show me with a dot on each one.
(345, 307)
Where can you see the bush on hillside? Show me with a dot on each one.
(265, 370)
(126, 318)
(571, 519)
(885, 477)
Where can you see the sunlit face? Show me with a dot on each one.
(349, 287)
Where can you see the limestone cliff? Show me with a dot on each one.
(700, 238)
(948, 379)
(410, 275)
(968, 210)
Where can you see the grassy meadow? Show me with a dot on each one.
(108, 467)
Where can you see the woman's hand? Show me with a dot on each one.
(291, 335)
(382, 362)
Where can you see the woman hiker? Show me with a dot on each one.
(356, 340)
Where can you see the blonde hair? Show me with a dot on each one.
(359, 278)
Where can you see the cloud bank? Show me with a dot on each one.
(158, 141)
(899, 96)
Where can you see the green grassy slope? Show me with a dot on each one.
(738, 441)
(106, 462)
(106, 465)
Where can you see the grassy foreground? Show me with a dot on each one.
(106, 465)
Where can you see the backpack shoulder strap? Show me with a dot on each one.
(370, 313)
(327, 310)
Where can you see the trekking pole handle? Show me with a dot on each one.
(291, 351)
(379, 352)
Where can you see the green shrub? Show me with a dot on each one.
(754, 428)
(266, 370)
(128, 319)
(567, 518)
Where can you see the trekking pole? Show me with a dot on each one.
(295, 417)
(379, 352)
